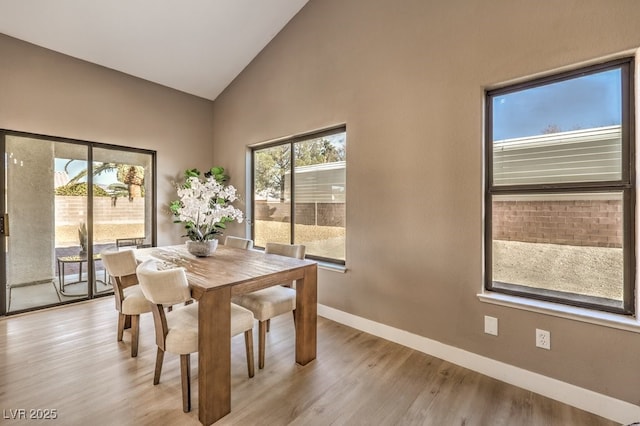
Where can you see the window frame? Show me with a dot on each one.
(291, 141)
(625, 185)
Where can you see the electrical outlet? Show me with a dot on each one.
(491, 325)
(543, 339)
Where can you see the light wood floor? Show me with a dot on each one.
(68, 359)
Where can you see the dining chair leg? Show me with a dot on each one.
(262, 336)
(159, 359)
(127, 322)
(269, 325)
(248, 342)
(135, 331)
(294, 317)
(185, 370)
(121, 321)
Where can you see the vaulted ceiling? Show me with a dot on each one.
(196, 46)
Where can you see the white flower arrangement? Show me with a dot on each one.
(205, 204)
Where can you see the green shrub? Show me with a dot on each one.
(80, 190)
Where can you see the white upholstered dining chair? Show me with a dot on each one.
(177, 331)
(237, 242)
(130, 302)
(272, 301)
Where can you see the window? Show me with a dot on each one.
(560, 189)
(302, 181)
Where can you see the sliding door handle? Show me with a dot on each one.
(4, 224)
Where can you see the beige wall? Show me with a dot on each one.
(407, 78)
(48, 93)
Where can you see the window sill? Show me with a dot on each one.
(605, 319)
(334, 267)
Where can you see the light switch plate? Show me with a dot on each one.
(491, 325)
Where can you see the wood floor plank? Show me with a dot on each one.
(68, 359)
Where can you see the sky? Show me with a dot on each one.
(77, 166)
(580, 103)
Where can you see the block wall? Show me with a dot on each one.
(71, 210)
(595, 223)
(318, 214)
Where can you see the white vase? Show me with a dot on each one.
(202, 248)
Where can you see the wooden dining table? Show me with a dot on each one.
(213, 281)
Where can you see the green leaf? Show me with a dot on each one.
(175, 207)
(191, 173)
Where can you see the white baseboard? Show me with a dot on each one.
(584, 399)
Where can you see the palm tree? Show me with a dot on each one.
(131, 176)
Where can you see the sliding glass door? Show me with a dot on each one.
(31, 233)
(65, 202)
(122, 203)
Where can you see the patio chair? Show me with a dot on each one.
(131, 243)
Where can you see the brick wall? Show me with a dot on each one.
(595, 223)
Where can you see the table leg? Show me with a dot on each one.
(214, 357)
(306, 315)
